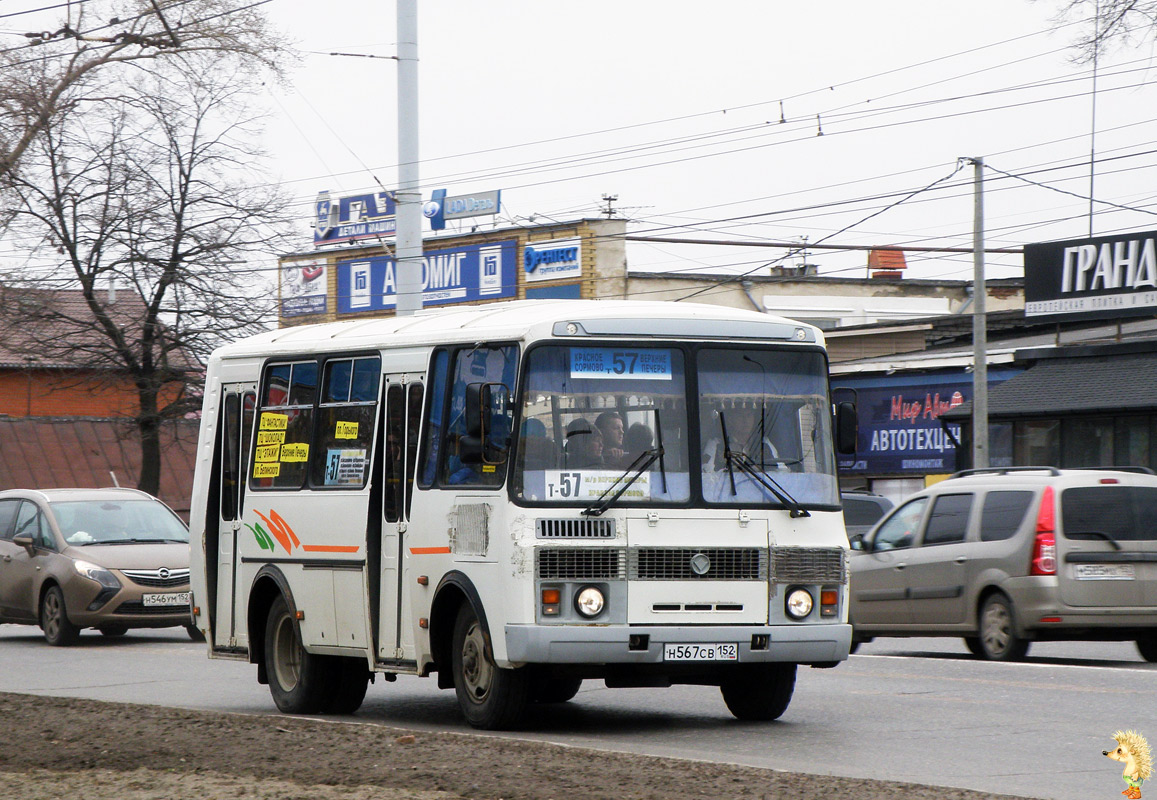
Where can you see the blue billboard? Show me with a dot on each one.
(458, 275)
(900, 430)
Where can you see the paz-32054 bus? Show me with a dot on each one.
(519, 497)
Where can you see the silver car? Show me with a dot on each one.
(110, 559)
(1005, 557)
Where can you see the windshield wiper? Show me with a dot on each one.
(623, 482)
(744, 462)
(1101, 534)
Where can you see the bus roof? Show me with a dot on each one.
(537, 318)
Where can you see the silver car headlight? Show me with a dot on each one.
(799, 603)
(96, 573)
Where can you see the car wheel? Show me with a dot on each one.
(113, 630)
(759, 693)
(298, 680)
(854, 646)
(554, 690)
(194, 633)
(998, 639)
(58, 630)
(491, 698)
(974, 646)
(350, 678)
(1147, 647)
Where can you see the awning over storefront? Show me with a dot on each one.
(1074, 385)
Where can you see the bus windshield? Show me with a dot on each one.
(594, 418)
(769, 411)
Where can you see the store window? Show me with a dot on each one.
(1087, 442)
(1037, 442)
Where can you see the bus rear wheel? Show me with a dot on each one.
(349, 680)
(759, 693)
(491, 698)
(299, 681)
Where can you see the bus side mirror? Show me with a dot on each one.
(487, 438)
(847, 428)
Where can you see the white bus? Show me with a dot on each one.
(519, 497)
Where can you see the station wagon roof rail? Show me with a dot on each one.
(967, 473)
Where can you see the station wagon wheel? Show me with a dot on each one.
(298, 680)
(974, 646)
(998, 637)
(491, 697)
(1147, 646)
(58, 630)
(759, 692)
(113, 630)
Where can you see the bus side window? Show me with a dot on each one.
(494, 365)
(414, 419)
(345, 423)
(285, 426)
(395, 453)
(435, 419)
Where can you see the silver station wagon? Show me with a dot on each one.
(1005, 557)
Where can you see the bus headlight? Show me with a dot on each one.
(799, 603)
(589, 601)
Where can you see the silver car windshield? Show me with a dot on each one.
(84, 522)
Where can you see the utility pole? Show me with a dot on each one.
(408, 198)
(979, 324)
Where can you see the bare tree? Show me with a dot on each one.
(152, 189)
(59, 71)
(1109, 22)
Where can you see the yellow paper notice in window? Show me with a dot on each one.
(346, 430)
(267, 452)
(295, 452)
(274, 422)
(266, 470)
(270, 437)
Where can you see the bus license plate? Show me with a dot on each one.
(170, 599)
(1105, 572)
(701, 652)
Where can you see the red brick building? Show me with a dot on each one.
(65, 418)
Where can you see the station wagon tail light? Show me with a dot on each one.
(1044, 548)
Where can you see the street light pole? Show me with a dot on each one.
(979, 325)
(408, 198)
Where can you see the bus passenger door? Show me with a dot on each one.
(403, 410)
(236, 429)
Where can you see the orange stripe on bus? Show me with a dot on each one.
(329, 548)
(428, 551)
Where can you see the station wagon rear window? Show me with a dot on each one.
(1124, 513)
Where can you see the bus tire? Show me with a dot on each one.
(491, 698)
(348, 684)
(759, 693)
(554, 690)
(299, 681)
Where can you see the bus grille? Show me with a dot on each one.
(690, 564)
(581, 563)
(808, 564)
(574, 528)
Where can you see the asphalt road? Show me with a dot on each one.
(918, 710)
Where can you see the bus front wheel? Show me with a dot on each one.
(491, 698)
(298, 681)
(759, 693)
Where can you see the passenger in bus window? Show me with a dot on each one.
(538, 449)
(610, 424)
(584, 445)
(637, 439)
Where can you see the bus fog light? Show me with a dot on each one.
(799, 603)
(589, 601)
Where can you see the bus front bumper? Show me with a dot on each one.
(619, 644)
